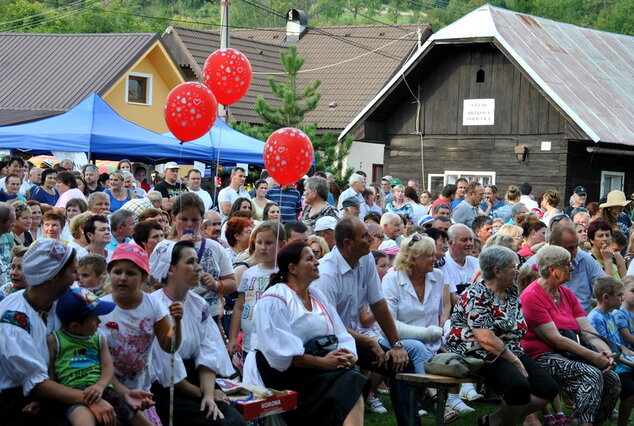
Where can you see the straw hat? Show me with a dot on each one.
(615, 198)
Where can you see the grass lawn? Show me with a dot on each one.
(481, 408)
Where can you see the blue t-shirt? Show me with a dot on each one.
(624, 319)
(117, 204)
(494, 207)
(38, 194)
(605, 325)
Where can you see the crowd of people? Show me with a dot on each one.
(122, 299)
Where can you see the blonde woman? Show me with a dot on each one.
(318, 245)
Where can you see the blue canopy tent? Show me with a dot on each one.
(94, 127)
(227, 145)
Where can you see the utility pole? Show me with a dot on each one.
(225, 43)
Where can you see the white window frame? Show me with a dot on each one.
(463, 173)
(430, 176)
(608, 173)
(149, 87)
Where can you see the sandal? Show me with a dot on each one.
(450, 415)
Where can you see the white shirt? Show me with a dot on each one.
(283, 325)
(347, 194)
(529, 202)
(200, 341)
(230, 195)
(204, 195)
(23, 350)
(348, 288)
(130, 333)
(455, 274)
(253, 284)
(215, 261)
(418, 211)
(403, 302)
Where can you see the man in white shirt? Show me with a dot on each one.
(231, 193)
(526, 199)
(194, 179)
(460, 266)
(348, 279)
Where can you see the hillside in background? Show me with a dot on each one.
(71, 16)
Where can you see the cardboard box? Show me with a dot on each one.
(265, 407)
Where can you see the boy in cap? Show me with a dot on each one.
(80, 359)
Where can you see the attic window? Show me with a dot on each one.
(480, 76)
(139, 88)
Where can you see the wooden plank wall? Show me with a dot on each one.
(522, 117)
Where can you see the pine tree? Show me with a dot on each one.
(294, 104)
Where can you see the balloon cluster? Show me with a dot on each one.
(191, 108)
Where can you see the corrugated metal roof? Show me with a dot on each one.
(587, 73)
(352, 62)
(192, 47)
(42, 73)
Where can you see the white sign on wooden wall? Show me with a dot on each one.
(478, 112)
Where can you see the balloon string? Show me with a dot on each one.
(279, 224)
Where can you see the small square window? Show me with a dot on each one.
(139, 89)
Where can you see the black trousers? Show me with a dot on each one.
(399, 390)
(516, 389)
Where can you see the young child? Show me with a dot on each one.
(624, 317)
(137, 319)
(92, 273)
(15, 274)
(609, 294)
(79, 357)
(267, 239)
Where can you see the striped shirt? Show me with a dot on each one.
(289, 201)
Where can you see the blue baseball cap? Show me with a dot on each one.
(79, 303)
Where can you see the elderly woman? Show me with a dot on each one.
(77, 230)
(549, 307)
(315, 195)
(600, 236)
(488, 323)
(415, 293)
(399, 204)
(289, 315)
(201, 354)
(67, 187)
(148, 234)
(21, 230)
(237, 232)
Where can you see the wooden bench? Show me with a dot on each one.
(441, 383)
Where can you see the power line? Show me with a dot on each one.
(318, 30)
(54, 18)
(375, 20)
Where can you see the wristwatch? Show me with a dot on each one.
(398, 344)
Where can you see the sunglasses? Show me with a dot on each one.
(414, 239)
(558, 218)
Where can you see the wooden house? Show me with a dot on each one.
(505, 98)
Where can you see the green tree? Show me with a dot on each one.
(293, 103)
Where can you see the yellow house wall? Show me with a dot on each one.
(165, 77)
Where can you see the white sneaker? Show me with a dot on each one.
(374, 405)
(468, 392)
(460, 406)
(422, 413)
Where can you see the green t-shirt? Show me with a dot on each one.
(78, 361)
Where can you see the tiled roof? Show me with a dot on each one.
(587, 73)
(191, 48)
(44, 74)
(352, 62)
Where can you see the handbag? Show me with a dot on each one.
(453, 365)
(321, 345)
(578, 338)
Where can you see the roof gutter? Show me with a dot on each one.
(609, 151)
